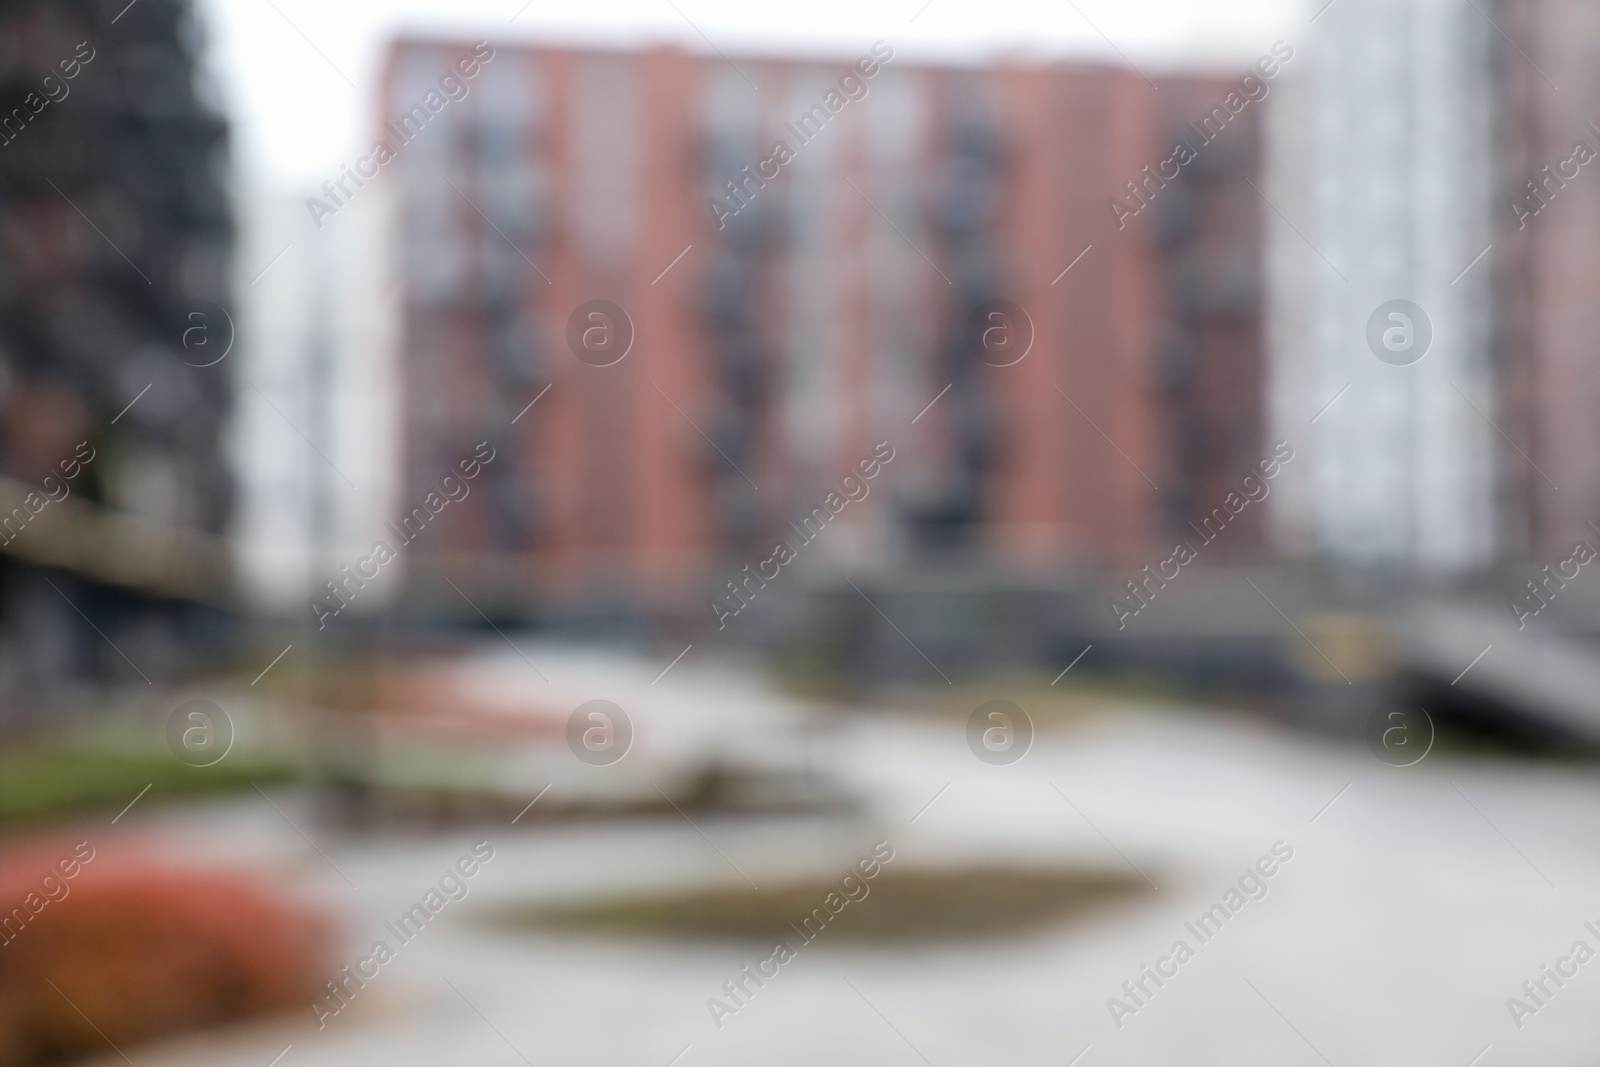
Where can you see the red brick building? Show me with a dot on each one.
(785, 310)
(1546, 263)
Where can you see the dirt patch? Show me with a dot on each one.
(901, 906)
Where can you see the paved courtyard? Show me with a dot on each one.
(1416, 901)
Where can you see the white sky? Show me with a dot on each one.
(296, 118)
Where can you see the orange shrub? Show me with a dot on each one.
(144, 950)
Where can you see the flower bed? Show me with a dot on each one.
(137, 950)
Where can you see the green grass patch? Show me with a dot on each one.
(39, 783)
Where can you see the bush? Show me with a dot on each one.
(142, 950)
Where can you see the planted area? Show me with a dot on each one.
(901, 905)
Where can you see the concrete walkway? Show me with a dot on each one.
(1416, 902)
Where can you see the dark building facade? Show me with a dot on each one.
(115, 238)
(1208, 354)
